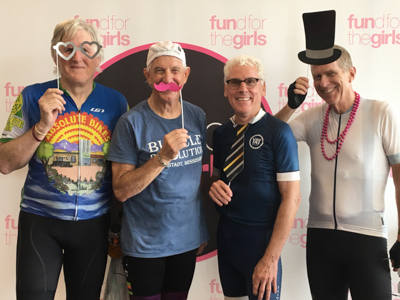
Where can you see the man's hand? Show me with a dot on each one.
(220, 193)
(264, 277)
(297, 92)
(394, 255)
(51, 104)
(173, 142)
(201, 248)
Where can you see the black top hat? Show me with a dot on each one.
(319, 28)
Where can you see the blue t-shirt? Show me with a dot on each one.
(269, 149)
(68, 177)
(166, 218)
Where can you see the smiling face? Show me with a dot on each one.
(166, 69)
(245, 101)
(333, 85)
(79, 70)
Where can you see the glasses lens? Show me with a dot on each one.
(65, 50)
(234, 83)
(90, 49)
(251, 82)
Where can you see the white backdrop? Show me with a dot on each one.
(270, 30)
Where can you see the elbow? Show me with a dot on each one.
(4, 171)
(124, 191)
(119, 190)
(5, 168)
(119, 195)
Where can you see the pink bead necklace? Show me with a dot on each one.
(341, 137)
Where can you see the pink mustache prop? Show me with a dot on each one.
(172, 86)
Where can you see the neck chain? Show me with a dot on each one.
(341, 137)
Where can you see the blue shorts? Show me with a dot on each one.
(240, 247)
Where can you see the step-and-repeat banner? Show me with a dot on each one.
(210, 32)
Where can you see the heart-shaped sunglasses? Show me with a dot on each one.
(68, 49)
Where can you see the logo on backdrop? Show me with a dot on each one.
(373, 31)
(298, 234)
(113, 29)
(312, 99)
(215, 290)
(237, 33)
(11, 230)
(125, 74)
(11, 92)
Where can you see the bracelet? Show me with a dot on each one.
(34, 135)
(38, 132)
(161, 161)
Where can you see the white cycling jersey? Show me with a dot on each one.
(347, 193)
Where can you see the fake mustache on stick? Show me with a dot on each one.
(172, 86)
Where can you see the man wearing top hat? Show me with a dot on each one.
(353, 144)
(156, 156)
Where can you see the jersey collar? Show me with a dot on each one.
(253, 120)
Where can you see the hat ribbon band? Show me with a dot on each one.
(316, 54)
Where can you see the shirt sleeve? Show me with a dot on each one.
(298, 126)
(123, 143)
(390, 132)
(17, 123)
(287, 161)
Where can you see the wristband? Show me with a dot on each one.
(34, 135)
(161, 161)
(38, 132)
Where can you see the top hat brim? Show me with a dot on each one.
(320, 61)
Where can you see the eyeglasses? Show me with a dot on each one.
(67, 50)
(235, 83)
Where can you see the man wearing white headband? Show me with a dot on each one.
(157, 164)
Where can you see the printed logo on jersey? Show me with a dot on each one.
(74, 153)
(256, 141)
(15, 118)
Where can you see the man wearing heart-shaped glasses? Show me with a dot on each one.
(62, 129)
(80, 60)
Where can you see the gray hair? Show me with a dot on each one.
(344, 61)
(244, 60)
(68, 28)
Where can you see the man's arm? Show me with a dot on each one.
(285, 113)
(17, 153)
(128, 180)
(395, 250)
(266, 270)
(396, 181)
(297, 92)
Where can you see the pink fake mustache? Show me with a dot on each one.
(172, 86)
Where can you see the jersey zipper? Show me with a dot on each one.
(335, 174)
(79, 166)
